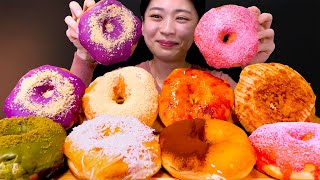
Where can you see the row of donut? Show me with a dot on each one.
(190, 103)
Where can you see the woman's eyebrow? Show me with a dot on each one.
(177, 10)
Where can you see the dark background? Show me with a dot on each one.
(32, 33)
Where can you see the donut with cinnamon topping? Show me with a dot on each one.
(109, 31)
(288, 150)
(206, 149)
(272, 92)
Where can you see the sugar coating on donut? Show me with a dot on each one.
(288, 145)
(227, 36)
(109, 31)
(132, 84)
(58, 104)
(47, 91)
(125, 140)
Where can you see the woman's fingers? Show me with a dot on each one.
(75, 9)
(255, 10)
(88, 4)
(265, 20)
(266, 34)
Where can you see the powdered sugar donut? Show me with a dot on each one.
(47, 91)
(110, 147)
(128, 91)
(227, 36)
(109, 31)
(288, 150)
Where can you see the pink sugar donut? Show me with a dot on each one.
(109, 31)
(288, 150)
(227, 36)
(47, 91)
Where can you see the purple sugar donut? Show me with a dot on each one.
(109, 32)
(47, 91)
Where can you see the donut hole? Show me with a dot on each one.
(303, 136)
(119, 91)
(112, 27)
(189, 138)
(43, 92)
(227, 37)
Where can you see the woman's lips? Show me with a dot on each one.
(167, 43)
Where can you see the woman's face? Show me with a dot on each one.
(168, 28)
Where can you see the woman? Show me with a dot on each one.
(167, 29)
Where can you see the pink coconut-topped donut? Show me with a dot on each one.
(47, 91)
(227, 36)
(109, 31)
(288, 150)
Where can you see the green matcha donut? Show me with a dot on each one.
(30, 147)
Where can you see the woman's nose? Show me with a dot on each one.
(167, 27)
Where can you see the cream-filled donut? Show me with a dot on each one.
(109, 31)
(288, 150)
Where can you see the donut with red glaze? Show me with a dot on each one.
(227, 36)
(109, 32)
(288, 150)
(47, 91)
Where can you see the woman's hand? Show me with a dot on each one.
(265, 34)
(73, 32)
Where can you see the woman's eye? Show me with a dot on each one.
(155, 16)
(182, 19)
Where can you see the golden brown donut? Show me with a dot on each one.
(272, 92)
(206, 149)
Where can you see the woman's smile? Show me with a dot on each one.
(167, 44)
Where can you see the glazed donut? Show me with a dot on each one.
(47, 91)
(129, 91)
(227, 36)
(109, 31)
(206, 149)
(288, 150)
(113, 147)
(191, 93)
(272, 92)
(30, 148)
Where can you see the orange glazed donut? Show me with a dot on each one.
(288, 150)
(227, 36)
(129, 91)
(206, 149)
(110, 147)
(192, 93)
(272, 92)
